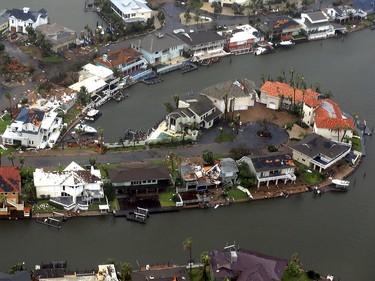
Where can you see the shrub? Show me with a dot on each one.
(272, 148)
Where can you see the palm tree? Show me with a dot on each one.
(197, 17)
(176, 100)
(9, 98)
(3, 199)
(100, 140)
(11, 158)
(206, 261)
(168, 107)
(126, 270)
(188, 245)
(22, 161)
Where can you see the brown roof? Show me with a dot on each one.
(138, 172)
(122, 56)
(10, 179)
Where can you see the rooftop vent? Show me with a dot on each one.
(26, 10)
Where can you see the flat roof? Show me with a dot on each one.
(92, 84)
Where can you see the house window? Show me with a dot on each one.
(64, 187)
(12, 21)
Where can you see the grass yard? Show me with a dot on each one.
(114, 205)
(225, 137)
(43, 206)
(287, 277)
(356, 144)
(311, 178)
(197, 274)
(53, 59)
(72, 113)
(5, 120)
(237, 194)
(166, 198)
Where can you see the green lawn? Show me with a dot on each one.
(197, 274)
(166, 198)
(53, 59)
(43, 206)
(114, 205)
(72, 113)
(28, 51)
(356, 144)
(225, 137)
(4, 122)
(237, 194)
(312, 178)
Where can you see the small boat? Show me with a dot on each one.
(92, 115)
(286, 44)
(85, 129)
(260, 51)
(340, 184)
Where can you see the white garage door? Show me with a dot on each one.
(272, 105)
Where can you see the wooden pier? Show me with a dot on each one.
(187, 67)
(54, 221)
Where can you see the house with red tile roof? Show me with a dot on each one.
(277, 95)
(330, 123)
(324, 115)
(10, 188)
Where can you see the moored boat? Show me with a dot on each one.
(85, 129)
(92, 115)
(340, 184)
(286, 44)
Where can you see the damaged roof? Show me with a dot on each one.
(138, 172)
(272, 162)
(10, 179)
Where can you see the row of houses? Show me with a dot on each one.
(228, 263)
(76, 187)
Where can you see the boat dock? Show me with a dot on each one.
(187, 67)
(54, 221)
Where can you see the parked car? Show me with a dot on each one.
(13, 36)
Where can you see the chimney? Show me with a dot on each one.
(26, 10)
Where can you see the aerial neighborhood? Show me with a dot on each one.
(234, 141)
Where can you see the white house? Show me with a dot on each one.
(198, 112)
(243, 39)
(33, 128)
(20, 19)
(279, 167)
(232, 95)
(343, 14)
(317, 25)
(74, 187)
(159, 47)
(90, 70)
(131, 10)
(330, 123)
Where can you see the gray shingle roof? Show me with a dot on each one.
(317, 16)
(231, 88)
(272, 162)
(201, 106)
(138, 172)
(314, 145)
(32, 15)
(200, 37)
(167, 274)
(157, 42)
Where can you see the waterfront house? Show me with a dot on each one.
(159, 48)
(160, 272)
(198, 112)
(33, 128)
(241, 265)
(131, 10)
(4, 21)
(20, 19)
(232, 95)
(271, 167)
(330, 123)
(319, 152)
(195, 176)
(277, 95)
(93, 85)
(61, 37)
(202, 44)
(10, 189)
(228, 171)
(281, 27)
(317, 25)
(132, 179)
(127, 60)
(242, 39)
(90, 70)
(73, 188)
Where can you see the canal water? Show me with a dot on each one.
(333, 233)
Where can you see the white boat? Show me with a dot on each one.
(340, 183)
(286, 44)
(260, 50)
(92, 115)
(85, 129)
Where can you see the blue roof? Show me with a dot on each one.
(30, 115)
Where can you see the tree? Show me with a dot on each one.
(197, 17)
(3, 200)
(294, 266)
(188, 245)
(100, 140)
(83, 96)
(206, 261)
(168, 107)
(22, 161)
(216, 5)
(92, 160)
(9, 98)
(176, 100)
(187, 16)
(247, 178)
(126, 270)
(11, 158)
(208, 157)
